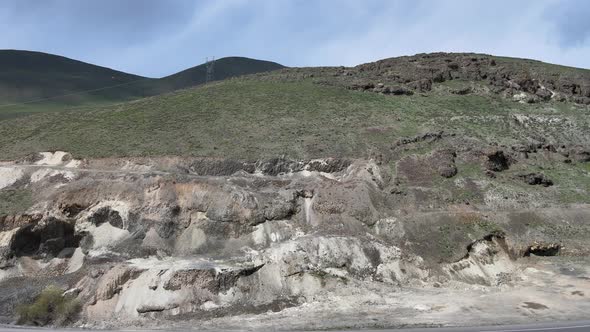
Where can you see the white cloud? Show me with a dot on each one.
(311, 33)
(503, 28)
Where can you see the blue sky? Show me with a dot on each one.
(159, 37)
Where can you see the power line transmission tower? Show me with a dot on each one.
(210, 67)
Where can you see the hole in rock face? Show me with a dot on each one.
(72, 210)
(175, 210)
(26, 241)
(551, 249)
(105, 214)
(50, 238)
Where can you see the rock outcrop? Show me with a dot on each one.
(145, 244)
(536, 179)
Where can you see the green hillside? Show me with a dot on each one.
(39, 82)
(250, 118)
(30, 76)
(304, 113)
(329, 111)
(223, 68)
(26, 75)
(238, 118)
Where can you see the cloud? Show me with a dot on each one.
(156, 38)
(96, 21)
(90, 30)
(199, 36)
(571, 21)
(509, 28)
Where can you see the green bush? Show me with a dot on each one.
(50, 307)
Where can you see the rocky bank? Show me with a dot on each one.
(344, 243)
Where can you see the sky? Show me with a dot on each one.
(160, 37)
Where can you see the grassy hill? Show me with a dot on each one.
(315, 112)
(30, 76)
(347, 112)
(252, 118)
(46, 82)
(223, 68)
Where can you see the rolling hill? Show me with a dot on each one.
(27, 76)
(46, 82)
(368, 111)
(314, 112)
(224, 68)
(413, 180)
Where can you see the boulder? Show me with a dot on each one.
(112, 281)
(497, 161)
(426, 137)
(72, 210)
(490, 174)
(462, 91)
(367, 86)
(559, 97)
(9, 222)
(219, 167)
(528, 84)
(52, 246)
(276, 166)
(211, 279)
(447, 171)
(252, 208)
(536, 179)
(544, 94)
(397, 91)
(542, 249)
(362, 86)
(580, 154)
(444, 161)
(581, 100)
(453, 66)
(524, 148)
(327, 165)
(422, 85)
(512, 85)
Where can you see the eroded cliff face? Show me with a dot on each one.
(151, 240)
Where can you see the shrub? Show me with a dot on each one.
(50, 307)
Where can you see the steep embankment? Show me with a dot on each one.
(150, 240)
(355, 197)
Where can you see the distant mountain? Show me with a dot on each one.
(51, 82)
(26, 76)
(223, 68)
